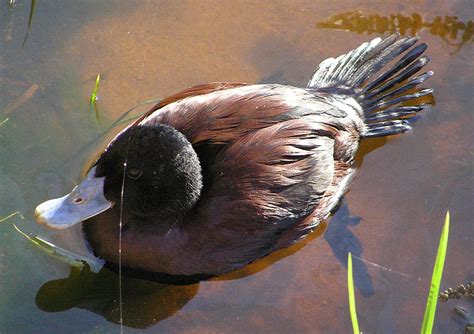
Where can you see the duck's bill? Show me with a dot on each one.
(83, 202)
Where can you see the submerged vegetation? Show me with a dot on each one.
(430, 311)
(61, 254)
(93, 98)
(462, 290)
(4, 121)
(466, 315)
(30, 19)
(449, 28)
(11, 215)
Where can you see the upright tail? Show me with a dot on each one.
(387, 101)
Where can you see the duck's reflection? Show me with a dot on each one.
(145, 302)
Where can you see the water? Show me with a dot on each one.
(391, 218)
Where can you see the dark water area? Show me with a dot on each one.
(390, 219)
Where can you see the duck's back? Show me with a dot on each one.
(275, 160)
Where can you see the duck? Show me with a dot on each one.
(219, 175)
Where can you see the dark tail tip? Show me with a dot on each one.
(394, 95)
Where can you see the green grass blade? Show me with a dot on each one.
(30, 18)
(93, 97)
(350, 288)
(428, 319)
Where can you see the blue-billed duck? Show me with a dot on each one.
(219, 175)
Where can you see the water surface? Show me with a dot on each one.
(390, 219)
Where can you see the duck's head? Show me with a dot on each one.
(152, 170)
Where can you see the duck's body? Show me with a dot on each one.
(222, 174)
(269, 168)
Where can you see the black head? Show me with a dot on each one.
(162, 173)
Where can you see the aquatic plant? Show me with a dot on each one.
(449, 28)
(352, 305)
(462, 290)
(30, 19)
(11, 215)
(93, 98)
(72, 259)
(430, 311)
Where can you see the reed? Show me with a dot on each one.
(430, 310)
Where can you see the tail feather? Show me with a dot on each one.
(390, 127)
(396, 113)
(404, 61)
(353, 73)
(386, 103)
(407, 73)
(338, 72)
(386, 55)
(409, 85)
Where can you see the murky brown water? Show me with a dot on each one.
(391, 217)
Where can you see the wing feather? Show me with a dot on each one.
(264, 184)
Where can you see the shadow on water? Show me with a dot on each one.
(144, 302)
(342, 241)
(449, 28)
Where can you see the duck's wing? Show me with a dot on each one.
(223, 116)
(189, 92)
(264, 184)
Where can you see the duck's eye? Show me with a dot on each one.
(134, 173)
(78, 200)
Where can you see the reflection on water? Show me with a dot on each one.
(144, 302)
(147, 297)
(449, 28)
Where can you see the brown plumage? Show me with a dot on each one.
(222, 174)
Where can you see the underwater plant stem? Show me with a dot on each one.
(30, 92)
(61, 254)
(10, 215)
(30, 19)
